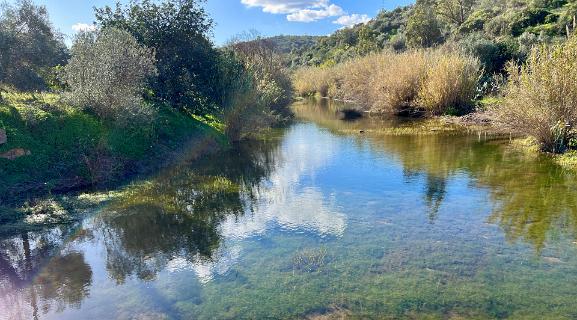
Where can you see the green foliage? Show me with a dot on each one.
(177, 31)
(493, 31)
(454, 12)
(107, 74)
(71, 148)
(493, 54)
(262, 89)
(527, 18)
(350, 42)
(29, 45)
(423, 28)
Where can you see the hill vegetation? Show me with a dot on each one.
(493, 31)
(443, 56)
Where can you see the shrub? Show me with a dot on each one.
(261, 89)
(107, 74)
(541, 98)
(492, 54)
(395, 81)
(309, 80)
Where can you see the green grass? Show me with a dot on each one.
(72, 149)
(567, 160)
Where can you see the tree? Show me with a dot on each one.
(107, 73)
(29, 45)
(187, 63)
(455, 12)
(423, 29)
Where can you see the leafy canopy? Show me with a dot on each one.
(29, 46)
(177, 31)
(107, 73)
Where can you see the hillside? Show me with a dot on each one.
(494, 31)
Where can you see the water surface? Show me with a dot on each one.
(317, 220)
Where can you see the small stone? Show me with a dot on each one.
(3, 138)
(15, 154)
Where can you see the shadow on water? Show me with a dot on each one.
(176, 215)
(183, 208)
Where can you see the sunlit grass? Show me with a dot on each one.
(431, 81)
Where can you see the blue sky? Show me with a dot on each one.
(269, 17)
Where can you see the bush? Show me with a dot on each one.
(107, 74)
(261, 90)
(493, 54)
(309, 80)
(187, 62)
(394, 81)
(541, 98)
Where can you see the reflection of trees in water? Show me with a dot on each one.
(436, 189)
(179, 214)
(533, 196)
(37, 276)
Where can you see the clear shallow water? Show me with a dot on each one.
(316, 220)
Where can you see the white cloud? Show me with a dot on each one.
(298, 10)
(284, 6)
(351, 20)
(310, 15)
(83, 27)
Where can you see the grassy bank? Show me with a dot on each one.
(67, 148)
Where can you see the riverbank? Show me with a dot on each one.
(49, 149)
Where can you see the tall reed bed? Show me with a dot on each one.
(434, 81)
(541, 96)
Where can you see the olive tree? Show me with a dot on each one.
(179, 32)
(29, 45)
(108, 72)
(423, 28)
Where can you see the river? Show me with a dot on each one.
(317, 220)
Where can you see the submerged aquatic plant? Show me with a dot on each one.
(309, 260)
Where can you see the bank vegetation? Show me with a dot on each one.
(136, 88)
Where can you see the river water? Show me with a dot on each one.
(317, 221)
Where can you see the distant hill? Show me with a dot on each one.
(494, 30)
(287, 44)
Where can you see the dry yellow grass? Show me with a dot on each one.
(425, 80)
(541, 98)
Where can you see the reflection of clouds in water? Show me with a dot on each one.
(304, 211)
(281, 202)
(206, 269)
